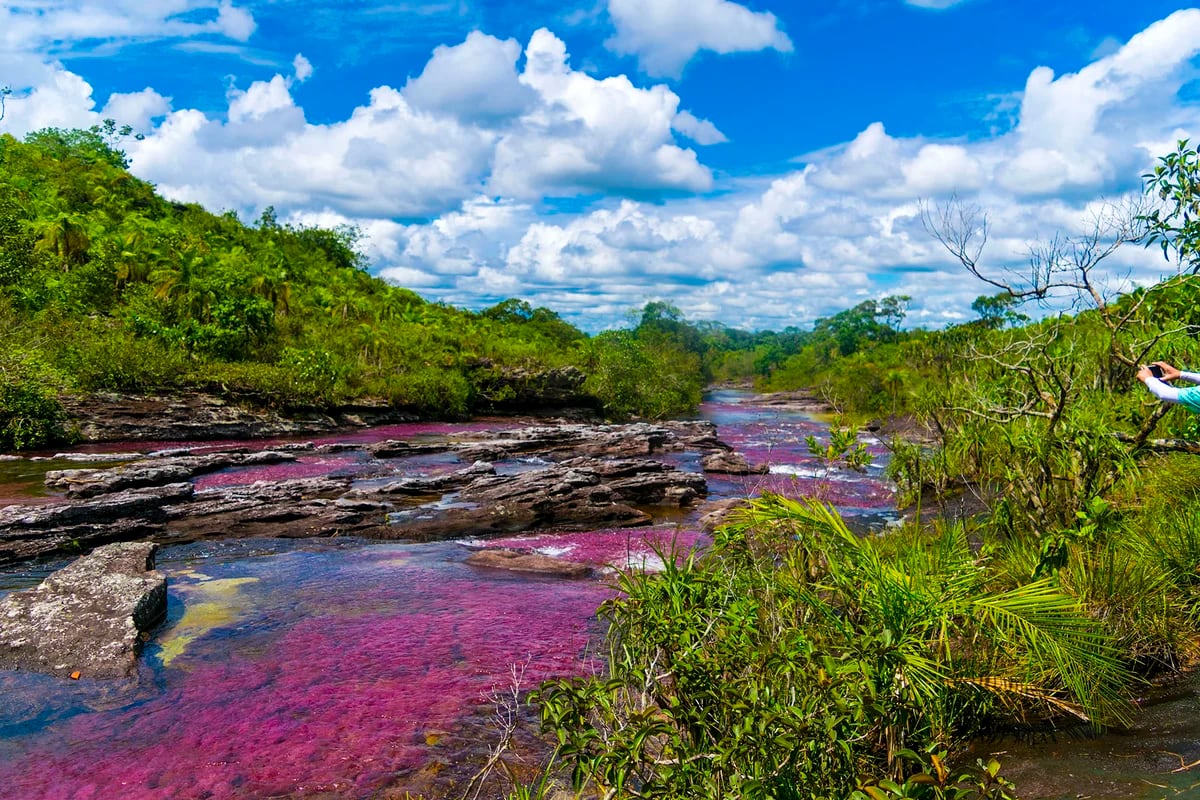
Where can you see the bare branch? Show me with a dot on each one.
(1062, 263)
(1162, 445)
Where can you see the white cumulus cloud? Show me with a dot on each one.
(666, 34)
(475, 80)
(450, 176)
(700, 131)
(589, 135)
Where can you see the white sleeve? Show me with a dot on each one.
(1190, 377)
(1163, 391)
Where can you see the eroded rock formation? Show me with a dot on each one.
(569, 477)
(87, 617)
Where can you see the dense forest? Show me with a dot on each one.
(106, 286)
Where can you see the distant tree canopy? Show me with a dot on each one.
(998, 310)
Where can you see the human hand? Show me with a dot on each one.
(1169, 373)
(1143, 373)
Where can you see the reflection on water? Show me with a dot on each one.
(342, 667)
(1158, 758)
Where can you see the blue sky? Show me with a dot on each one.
(761, 163)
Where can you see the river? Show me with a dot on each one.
(348, 668)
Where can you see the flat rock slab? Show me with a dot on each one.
(155, 472)
(195, 415)
(27, 531)
(579, 494)
(87, 617)
(536, 563)
(622, 441)
(726, 462)
(437, 484)
(392, 448)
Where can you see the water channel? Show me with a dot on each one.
(358, 669)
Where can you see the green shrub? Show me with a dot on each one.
(796, 660)
(314, 373)
(30, 417)
(102, 358)
(444, 393)
(632, 377)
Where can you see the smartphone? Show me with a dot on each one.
(1156, 371)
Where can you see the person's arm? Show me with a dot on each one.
(1163, 391)
(1170, 373)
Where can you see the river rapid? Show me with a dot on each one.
(321, 668)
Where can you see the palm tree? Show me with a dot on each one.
(172, 280)
(139, 252)
(64, 236)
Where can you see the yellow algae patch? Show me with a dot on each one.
(191, 573)
(216, 603)
(216, 587)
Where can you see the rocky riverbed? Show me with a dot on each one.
(565, 477)
(339, 609)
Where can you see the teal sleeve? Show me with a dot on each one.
(1190, 397)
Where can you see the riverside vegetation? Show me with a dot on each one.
(793, 659)
(106, 286)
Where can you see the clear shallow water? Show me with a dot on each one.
(1157, 759)
(343, 668)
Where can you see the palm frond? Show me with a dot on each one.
(1049, 633)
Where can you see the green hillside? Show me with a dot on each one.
(106, 286)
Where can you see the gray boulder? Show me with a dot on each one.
(88, 617)
(535, 563)
(728, 462)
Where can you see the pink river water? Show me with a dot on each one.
(353, 669)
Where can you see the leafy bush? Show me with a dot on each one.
(30, 416)
(444, 393)
(99, 358)
(796, 660)
(634, 378)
